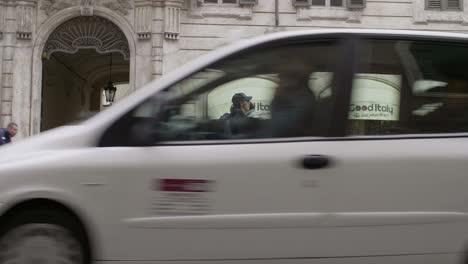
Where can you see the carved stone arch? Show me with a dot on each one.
(43, 33)
(85, 32)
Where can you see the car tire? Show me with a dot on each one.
(42, 236)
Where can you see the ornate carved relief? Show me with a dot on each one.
(52, 6)
(121, 6)
(87, 32)
(87, 7)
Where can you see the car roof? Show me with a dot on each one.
(360, 32)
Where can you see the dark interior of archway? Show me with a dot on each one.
(72, 84)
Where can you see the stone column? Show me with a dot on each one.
(157, 40)
(9, 41)
(26, 11)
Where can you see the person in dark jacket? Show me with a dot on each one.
(7, 133)
(293, 101)
(238, 122)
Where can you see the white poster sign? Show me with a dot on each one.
(375, 97)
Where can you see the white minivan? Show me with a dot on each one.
(332, 146)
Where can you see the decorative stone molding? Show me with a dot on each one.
(156, 3)
(87, 32)
(121, 6)
(423, 16)
(25, 14)
(172, 19)
(329, 13)
(143, 19)
(197, 9)
(171, 22)
(52, 6)
(87, 6)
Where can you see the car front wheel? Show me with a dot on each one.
(42, 236)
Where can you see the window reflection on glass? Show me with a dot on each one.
(260, 88)
(417, 87)
(275, 92)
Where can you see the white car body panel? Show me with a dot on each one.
(296, 220)
(412, 222)
(265, 208)
(413, 259)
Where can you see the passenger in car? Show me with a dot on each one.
(292, 107)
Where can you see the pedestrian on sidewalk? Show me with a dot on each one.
(7, 133)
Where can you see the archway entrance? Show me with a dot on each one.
(79, 58)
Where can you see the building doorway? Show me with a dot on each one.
(80, 57)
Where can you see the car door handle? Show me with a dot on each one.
(313, 162)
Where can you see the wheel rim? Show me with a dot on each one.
(40, 244)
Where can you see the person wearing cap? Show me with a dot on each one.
(242, 109)
(242, 105)
(242, 102)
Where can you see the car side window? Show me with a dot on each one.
(271, 92)
(409, 87)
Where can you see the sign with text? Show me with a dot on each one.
(375, 97)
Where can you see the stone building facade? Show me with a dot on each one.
(57, 55)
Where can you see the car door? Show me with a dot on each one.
(403, 187)
(200, 192)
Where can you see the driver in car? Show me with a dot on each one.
(241, 112)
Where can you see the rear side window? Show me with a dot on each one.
(409, 87)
